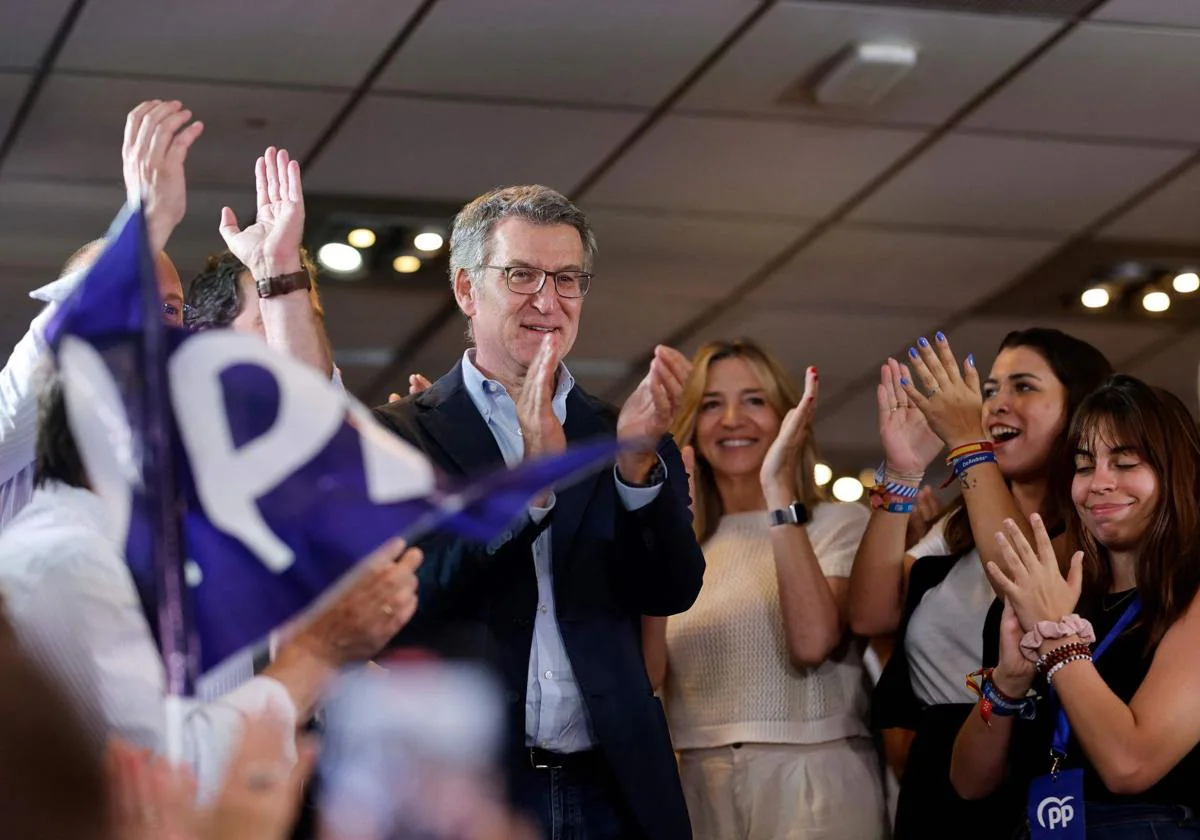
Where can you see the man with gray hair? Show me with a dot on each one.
(555, 606)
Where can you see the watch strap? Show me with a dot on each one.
(283, 284)
(793, 514)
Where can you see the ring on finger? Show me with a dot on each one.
(389, 610)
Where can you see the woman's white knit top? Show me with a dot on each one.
(729, 677)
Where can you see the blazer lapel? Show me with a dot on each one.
(455, 424)
(583, 423)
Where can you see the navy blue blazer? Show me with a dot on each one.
(611, 566)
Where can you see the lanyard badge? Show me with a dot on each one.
(1056, 807)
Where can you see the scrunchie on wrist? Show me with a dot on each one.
(1045, 631)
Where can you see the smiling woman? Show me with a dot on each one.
(1128, 737)
(764, 689)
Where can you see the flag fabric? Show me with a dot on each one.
(278, 481)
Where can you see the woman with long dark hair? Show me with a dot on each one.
(1005, 437)
(1117, 723)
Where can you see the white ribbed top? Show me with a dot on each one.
(729, 679)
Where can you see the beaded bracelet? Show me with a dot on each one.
(1048, 660)
(1058, 666)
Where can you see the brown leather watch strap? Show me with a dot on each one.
(283, 284)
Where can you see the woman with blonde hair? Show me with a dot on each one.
(764, 689)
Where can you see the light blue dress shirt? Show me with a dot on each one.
(555, 718)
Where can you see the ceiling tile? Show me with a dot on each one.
(843, 343)
(1118, 341)
(41, 224)
(701, 258)
(76, 127)
(26, 28)
(959, 55)
(265, 41)
(1174, 368)
(561, 50)
(399, 146)
(1015, 184)
(1105, 81)
(749, 166)
(1169, 214)
(363, 319)
(852, 425)
(872, 268)
(623, 326)
(12, 90)
(1160, 12)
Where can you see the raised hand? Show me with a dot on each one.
(152, 162)
(374, 608)
(540, 429)
(954, 405)
(1033, 582)
(909, 445)
(647, 414)
(150, 799)
(271, 246)
(778, 471)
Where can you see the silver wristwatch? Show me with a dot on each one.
(793, 514)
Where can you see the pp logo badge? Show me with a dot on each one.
(1055, 807)
(1054, 813)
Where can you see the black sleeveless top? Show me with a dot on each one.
(1123, 667)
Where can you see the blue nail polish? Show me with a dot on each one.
(923, 341)
(912, 352)
(971, 359)
(941, 336)
(903, 381)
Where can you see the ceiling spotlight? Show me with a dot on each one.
(1156, 301)
(1186, 282)
(339, 257)
(847, 489)
(361, 237)
(1095, 298)
(822, 474)
(428, 241)
(406, 264)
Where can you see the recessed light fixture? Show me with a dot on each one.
(339, 257)
(406, 264)
(428, 241)
(1156, 301)
(361, 237)
(1186, 282)
(847, 489)
(1095, 297)
(822, 474)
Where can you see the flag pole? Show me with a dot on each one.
(177, 639)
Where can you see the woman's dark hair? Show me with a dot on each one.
(1157, 425)
(1081, 368)
(56, 457)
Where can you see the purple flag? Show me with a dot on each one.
(281, 481)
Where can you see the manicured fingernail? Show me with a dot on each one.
(903, 381)
(923, 341)
(971, 359)
(941, 336)
(912, 351)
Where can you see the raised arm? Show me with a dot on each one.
(270, 249)
(878, 579)
(954, 410)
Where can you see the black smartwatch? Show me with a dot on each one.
(793, 514)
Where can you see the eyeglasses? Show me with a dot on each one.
(181, 311)
(529, 281)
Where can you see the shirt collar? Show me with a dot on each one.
(484, 391)
(58, 290)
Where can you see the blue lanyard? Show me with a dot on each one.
(1062, 729)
